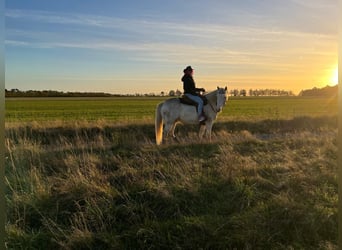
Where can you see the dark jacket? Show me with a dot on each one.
(189, 85)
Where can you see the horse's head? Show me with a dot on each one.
(221, 98)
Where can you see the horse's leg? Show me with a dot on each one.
(169, 130)
(202, 130)
(208, 128)
(172, 131)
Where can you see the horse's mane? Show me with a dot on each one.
(211, 95)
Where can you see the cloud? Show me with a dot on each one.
(141, 40)
(146, 26)
(317, 4)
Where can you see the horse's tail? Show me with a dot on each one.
(159, 125)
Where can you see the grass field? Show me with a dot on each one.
(86, 174)
(143, 108)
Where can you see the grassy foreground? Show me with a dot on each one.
(269, 184)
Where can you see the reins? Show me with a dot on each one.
(211, 105)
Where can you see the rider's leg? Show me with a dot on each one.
(199, 102)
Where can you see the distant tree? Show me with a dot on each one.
(243, 92)
(325, 91)
(162, 93)
(172, 93)
(250, 92)
(178, 92)
(15, 90)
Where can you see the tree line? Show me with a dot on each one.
(244, 92)
(53, 93)
(326, 91)
(261, 92)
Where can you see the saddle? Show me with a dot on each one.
(186, 100)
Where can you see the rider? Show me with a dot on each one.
(190, 91)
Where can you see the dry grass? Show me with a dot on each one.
(257, 185)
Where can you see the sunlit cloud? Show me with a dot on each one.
(201, 40)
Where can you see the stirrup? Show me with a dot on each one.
(202, 118)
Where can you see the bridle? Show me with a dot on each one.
(211, 105)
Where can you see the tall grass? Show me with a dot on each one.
(257, 185)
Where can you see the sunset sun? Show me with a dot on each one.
(334, 76)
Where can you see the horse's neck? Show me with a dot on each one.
(211, 97)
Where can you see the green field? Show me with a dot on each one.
(86, 174)
(143, 108)
(70, 109)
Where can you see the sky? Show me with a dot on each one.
(128, 47)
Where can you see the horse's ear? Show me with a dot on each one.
(218, 87)
(225, 88)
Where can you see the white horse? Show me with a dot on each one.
(172, 111)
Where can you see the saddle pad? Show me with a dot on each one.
(186, 100)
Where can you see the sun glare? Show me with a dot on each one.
(334, 76)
